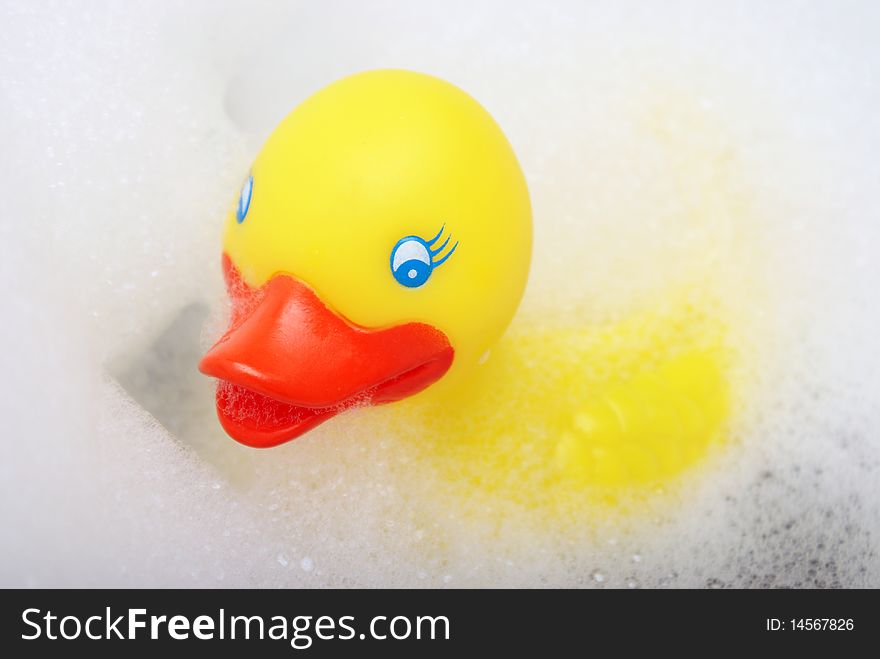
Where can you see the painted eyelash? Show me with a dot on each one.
(435, 252)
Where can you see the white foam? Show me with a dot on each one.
(127, 129)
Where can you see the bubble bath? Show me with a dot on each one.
(703, 186)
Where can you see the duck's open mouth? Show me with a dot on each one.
(288, 362)
(262, 421)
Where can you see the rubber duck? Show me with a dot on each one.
(379, 247)
(380, 243)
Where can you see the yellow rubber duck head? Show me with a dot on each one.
(380, 243)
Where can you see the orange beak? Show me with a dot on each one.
(288, 362)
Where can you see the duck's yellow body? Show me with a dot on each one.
(566, 410)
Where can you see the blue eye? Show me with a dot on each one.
(244, 200)
(412, 259)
